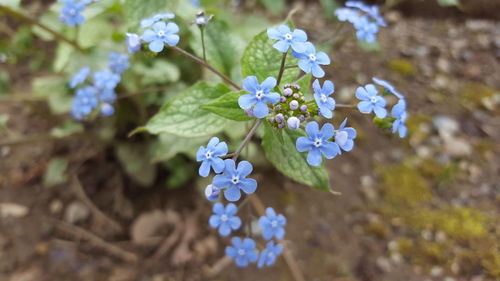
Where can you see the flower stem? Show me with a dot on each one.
(208, 66)
(57, 35)
(282, 69)
(247, 139)
(202, 29)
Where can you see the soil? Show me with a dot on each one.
(100, 225)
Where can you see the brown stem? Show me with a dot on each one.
(247, 138)
(57, 35)
(208, 66)
(282, 69)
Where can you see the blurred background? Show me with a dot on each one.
(83, 201)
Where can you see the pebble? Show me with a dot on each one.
(76, 212)
(436, 271)
(457, 147)
(446, 126)
(13, 210)
(384, 264)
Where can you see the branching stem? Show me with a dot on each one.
(282, 69)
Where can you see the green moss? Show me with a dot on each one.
(378, 228)
(405, 246)
(404, 186)
(403, 67)
(474, 94)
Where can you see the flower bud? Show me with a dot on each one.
(133, 42)
(302, 118)
(107, 109)
(212, 193)
(303, 108)
(287, 92)
(294, 105)
(281, 125)
(295, 96)
(280, 118)
(282, 99)
(293, 123)
(249, 112)
(278, 107)
(271, 119)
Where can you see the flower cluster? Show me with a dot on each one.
(157, 33)
(371, 101)
(101, 94)
(71, 12)
(366, 19)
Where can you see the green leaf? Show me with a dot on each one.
(167, 146)
(262, 60)
(135, 10)
(275, 7)
(94, 32)
(370, 47)
(183, 116)
(221, 50)
(227, 106)
(56, 172)
(305, 83)
(136, 162)
(449, 3)
(55, 90)
(67, 129)
(285, 157)
(159, 72)
(11, 3)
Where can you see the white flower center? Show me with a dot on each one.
(241, 252)
(72, 12)
(274, 223)
(323, 98)
(208, 155)
(259, 94)
(161, 33)
(223, 218)
(235, 180)
(373, 99)
(318, 142)
(288, 36)
(312, 57)
(270, 255)
(85, 100)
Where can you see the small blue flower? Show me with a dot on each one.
(79, 77)
(371, 101)
(317, 143)
(85, 102)
(287, 38)
(259, 95)
(71, 13)
(347, 14)
(243, 252)
(107, 109)
(366, 30)
(133, 42)
(388, 87)
(345, 136)
(399, 112)
(225, 219)
(272, 225)
(235, 179)
(160, 34)
(212, 193)
(372, 11)
(107, 95)
(269, 254)
(210, 157)
(118, 62)
(156, 18)
(310, 61)
(105, 79)
(326, 104)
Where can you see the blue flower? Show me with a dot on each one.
(105, 79)
(243, 252)
(372, 11)
(388, 87)
(399, 112)
(287, 38)
(259, 95)
(133, 42)
(272, 225)
(85, 102)
(212, 193)
(371, 101)
(156, 18)
(344, 137)
(235, 179)
(210, 157)
(107, 109)
(347, 14)
(310, 61)
(269, 254)
(224, 218)
(107, 95)
(79, 77)
(366, 30)
(118, 62)
(325, 103)
(317, 143)
(71, 13)
(160, 34)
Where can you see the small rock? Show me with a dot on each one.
(436, 271)
(393, 245)
(446, 126)
(345, 94)
(443, 65)
(478, 25)
(76, 212)
(448, 278)
(396, 258)
(426, 234)
(440, 237)
(56, 206)
(457, 147)
(384, 264)
(13, 210)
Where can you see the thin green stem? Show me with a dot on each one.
(57, 35)
(282, 69)
(202, 29)
(208, 66)
(247, 139)
(291, 66)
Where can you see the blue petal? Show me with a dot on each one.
(260, 110)
(230, 166)
(328, 87)
(212, 143)
(220, 149)
(250, 84)
(171, 27)
(221, 181)
(317, 71)
(149, 35)
(305, 65)
(303, 144)
(380, 111)
(156, 46)
(246, 101)
(204, 169)
(159, 26)
(244, 168)
(270, 213)
(231, 252)
(322, 58)
(365, 107)
(314, 157)
(235, 223)
(268, 84)
(231, 209)
(281, 46)
(224, 229)
(300, 36)
(218, 165)
(232, 194)
(248, 185)
(362, 94)
(330, 149)
(172, 40)
(272, 97)
(214, 221)
(312, 128)
(325, 112)
(327, 131)
(317, 87)
(348, 145)
(298, 47)
(402, 131)
(371, 89)
(273, 33)
(248, 244)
